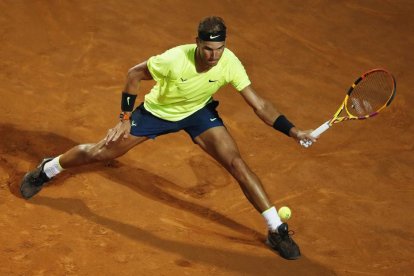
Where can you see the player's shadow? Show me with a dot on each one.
(160, 189)
(32, 146)
(17, 144)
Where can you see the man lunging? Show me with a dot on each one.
(186, 78)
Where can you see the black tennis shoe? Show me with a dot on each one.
(33, 181)
(282, 242)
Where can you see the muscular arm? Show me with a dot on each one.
(268, 113)
(135, 75)
(264, 109)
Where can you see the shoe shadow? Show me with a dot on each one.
(33, 146)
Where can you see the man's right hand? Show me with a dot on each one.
(121, 130)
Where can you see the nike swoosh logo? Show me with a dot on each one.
(212, 80)
(213, 37)
(183, 80)
(213, 119)
(133, 123)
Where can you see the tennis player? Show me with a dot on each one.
(186, 78)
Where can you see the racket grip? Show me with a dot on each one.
(321, 129)
(324, 127)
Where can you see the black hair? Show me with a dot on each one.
(212, 24)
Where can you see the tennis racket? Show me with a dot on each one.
(370, 94)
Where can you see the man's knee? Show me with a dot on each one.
(238, 166)
(96, 153)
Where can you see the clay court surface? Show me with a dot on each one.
(166, 208)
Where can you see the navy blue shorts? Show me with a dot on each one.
(143, 123)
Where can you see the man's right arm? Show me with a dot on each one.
(135, 75)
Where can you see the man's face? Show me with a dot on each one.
(210, 51)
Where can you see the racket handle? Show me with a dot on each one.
(324, 127)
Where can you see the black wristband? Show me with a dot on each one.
(128, 101)
(283, 125)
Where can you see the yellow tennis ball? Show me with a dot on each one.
(284, 213)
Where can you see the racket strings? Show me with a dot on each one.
(370, 94)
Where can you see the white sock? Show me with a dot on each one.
(52, 167)
(272, 219)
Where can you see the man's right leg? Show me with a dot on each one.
(90, 153)
(79, 155)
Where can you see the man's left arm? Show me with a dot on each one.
(268, 113)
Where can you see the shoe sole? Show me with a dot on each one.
(21, 188)
(45, 160)
(267, 242)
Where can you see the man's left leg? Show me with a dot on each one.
(218, 143)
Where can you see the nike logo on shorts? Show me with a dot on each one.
(213, 119)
